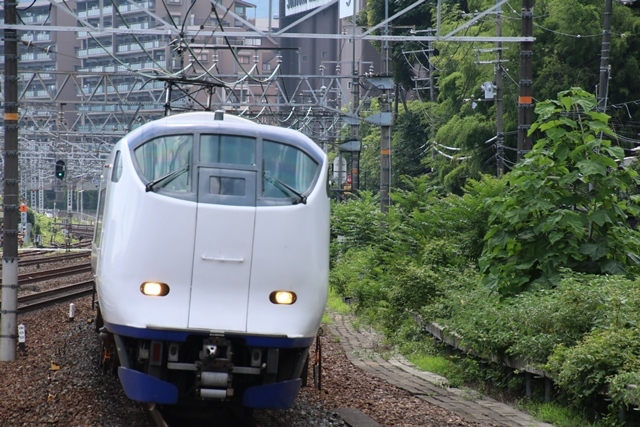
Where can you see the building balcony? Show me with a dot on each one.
(39, 37)
(95, 51)
(138, 7)
(154, 44)
(95, 12)
(37, 56)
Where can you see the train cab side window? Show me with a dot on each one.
(164, 162)
(117, 168)
(286, 166)
(230, 149)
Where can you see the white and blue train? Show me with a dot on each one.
(211, 260)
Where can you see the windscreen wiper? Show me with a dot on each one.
(168, 177)
(284, 186)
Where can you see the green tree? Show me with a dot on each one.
(410, 139)
(565, 205)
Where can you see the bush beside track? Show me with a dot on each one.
(579, 323)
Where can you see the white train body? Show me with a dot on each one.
(217, 216)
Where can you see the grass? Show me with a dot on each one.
(426, 356)
(335, 304)
(46, 227)
(430, 363)
(559, 416)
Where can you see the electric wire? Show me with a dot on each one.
(28, 7)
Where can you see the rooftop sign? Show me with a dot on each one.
(292, 7)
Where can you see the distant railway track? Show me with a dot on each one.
(55, 249)
(47, 297)
(77, 230)
(38, 276)
(29, 261)
(50, 297)
(52, 258)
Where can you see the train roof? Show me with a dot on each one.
(204, 118)
(209, 120)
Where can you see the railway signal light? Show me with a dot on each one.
(60, 169)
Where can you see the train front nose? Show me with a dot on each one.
(222, 250)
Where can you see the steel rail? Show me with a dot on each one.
(53, 296)
(54, 273)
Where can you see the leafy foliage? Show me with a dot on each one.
(561, 248)
(356, 223)
(532, 324)
(566, 54)
(582, 371)
(564, 206)
(393, 265)
(410, 138)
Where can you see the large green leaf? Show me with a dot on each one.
(595, 251)
(590, 167)
(600, 217)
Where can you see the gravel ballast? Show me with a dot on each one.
(57, 381)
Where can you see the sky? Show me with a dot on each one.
(262, 10)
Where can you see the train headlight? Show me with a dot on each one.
(283, 297)
(154, 289)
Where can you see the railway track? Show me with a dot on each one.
(217, 414)
(50, 259)
(38, 276)
(50, 297)
(57, 294)
(25, 260)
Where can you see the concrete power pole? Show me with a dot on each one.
(8, 327)
(355, 99)
(385, 128)
(525, 99)
(499, 103)
(603, 83)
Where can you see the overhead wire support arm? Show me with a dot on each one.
(214, 3)
(476, 18)
(386, 21)
(192, 33)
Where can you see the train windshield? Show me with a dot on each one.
(165, 161)
(231, 149)
(288, 171)
(238, 169)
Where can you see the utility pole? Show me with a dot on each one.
(355, 99)
(499, 104)
(525, 99)
(8, 327)
(432, 80)
(603, 83)
(385, 128)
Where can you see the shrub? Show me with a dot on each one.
(565, 204)
(583, 371)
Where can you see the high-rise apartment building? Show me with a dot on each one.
(129, 55)
(99, 68)
(154, 67)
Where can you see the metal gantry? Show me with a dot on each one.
(82, 130)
